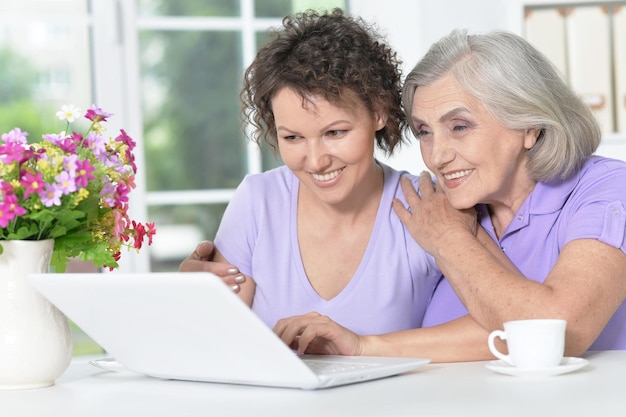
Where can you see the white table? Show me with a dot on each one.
(457, 389)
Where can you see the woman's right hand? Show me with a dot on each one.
(317, 334)
(202, 260)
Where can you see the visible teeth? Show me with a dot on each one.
(326, 177)
(457, 174)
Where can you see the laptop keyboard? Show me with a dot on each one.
(326, 367)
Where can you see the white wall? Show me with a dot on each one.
(398, 21)
(411, 26)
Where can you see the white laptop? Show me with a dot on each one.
(191, 326)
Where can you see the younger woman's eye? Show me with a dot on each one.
(335, 133)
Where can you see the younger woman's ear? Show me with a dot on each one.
(381, 120)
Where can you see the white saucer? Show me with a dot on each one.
(567, 365)
(108, 364)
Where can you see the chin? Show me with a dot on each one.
(460, 203)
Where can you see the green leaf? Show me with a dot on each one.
(59, 260)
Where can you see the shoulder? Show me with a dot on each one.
(265, 189)
(598, 167)
(603, 177)
(600, 178)
(392, 177)
(272, 180)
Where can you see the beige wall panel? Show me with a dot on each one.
(545, 29)
(590, 60)
(620, 67)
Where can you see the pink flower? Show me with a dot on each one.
(121, 221)
(10, 209)
(5, 214)
(84, 173)
(32, 183)
(96, 114)
(68, 145)
(123, 137)
(151, 231)
(139, 234)
(6, 187)
(11, 152)
(121, 194)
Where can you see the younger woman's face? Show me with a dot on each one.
(330, 149)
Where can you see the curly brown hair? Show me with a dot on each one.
(340, 58)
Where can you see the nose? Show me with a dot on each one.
(441, 152)
(318, 155)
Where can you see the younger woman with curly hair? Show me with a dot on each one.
(319, 234)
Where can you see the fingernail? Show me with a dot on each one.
(235, 288)
(240, 279)
(232, 271)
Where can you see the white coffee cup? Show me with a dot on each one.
(534, 343)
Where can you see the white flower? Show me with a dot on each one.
(69, 113)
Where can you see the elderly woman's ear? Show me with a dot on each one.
(532, 136)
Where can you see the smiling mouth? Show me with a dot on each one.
(457, 175)
(328, 176)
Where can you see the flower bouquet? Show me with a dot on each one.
(73, 188)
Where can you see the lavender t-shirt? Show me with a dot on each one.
(388, 292)
(589, 205)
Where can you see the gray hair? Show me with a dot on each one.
(521, 88)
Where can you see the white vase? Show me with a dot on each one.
(35, 337)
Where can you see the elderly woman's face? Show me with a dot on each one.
(475, 158)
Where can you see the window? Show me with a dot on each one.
(191, 61)
(44, 63)
(170, 71)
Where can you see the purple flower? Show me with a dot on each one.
(15, 136)
(51, 195)
(96, 143)
(65, 182)
(55, 138)
(70, 164)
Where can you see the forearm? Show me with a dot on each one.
(488, 284)
(456, 341)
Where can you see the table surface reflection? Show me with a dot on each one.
(453, 389)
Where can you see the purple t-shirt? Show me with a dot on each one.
(589, 205)
(389, 291)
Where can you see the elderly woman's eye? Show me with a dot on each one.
(421, 133)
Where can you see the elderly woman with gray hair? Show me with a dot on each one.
(511, 147)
